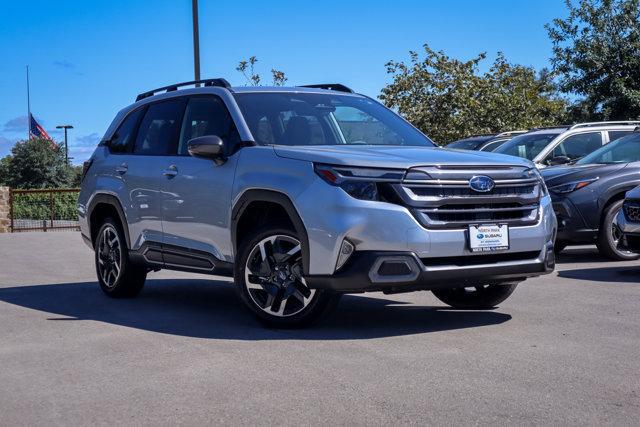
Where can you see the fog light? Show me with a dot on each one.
(346, 249)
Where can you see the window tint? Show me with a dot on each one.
(122, 140)
(577, 146)
(159, 128)
(617, 134)
(206, 116)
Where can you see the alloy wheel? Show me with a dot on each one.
(109, 256)
(273, 276)
(616, 233)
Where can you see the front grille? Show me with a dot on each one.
(632, 211)
(440, 197)
(445, 192)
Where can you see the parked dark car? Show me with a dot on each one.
(484, 142)
(629, 221)
(588, 196)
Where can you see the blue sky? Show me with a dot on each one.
(88, 59)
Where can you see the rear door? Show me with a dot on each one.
(156, 138)
(197, 202)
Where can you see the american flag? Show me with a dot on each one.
(35, 130)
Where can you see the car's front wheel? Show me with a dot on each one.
(610, 235)
(118, 277)
(475, 297)
(270, 283)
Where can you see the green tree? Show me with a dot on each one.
(247, 68)
(36, 163)
(596, 57)
(449, 99)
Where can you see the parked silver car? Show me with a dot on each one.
(303, 194)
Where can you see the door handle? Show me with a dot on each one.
(122, 169)
(170, 172)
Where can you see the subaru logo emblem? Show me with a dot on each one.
(481, 183)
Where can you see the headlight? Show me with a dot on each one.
(360, 183)
(571, 186)
(534, 172)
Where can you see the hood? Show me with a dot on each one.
(556, 175)
(397, 157)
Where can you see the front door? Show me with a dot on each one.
(197, 194)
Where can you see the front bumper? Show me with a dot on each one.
(630, 232)
(330, 216)
(394, 272)
(572, 227)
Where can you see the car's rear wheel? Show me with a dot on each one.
(269, 280)
(117, 276)
(475, 297)
(610, 235)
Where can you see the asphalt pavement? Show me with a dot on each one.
(564, 349)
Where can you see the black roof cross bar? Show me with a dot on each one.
(331, 86)
(206, 82)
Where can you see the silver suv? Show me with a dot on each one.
(303, 194)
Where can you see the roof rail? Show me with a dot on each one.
(206, 82)
(617, 122)
(331, 86)
(550, 127)
(511, 132)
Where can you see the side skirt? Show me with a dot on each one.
(158, 256)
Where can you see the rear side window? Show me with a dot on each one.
(122, 140)
(158, 132)
(577, 146)
(207, 115)
(617, 134)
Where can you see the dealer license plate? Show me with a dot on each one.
(488, 237)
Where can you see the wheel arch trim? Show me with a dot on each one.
(276, 197)
(109, 199)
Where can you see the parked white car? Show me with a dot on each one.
(565, 144)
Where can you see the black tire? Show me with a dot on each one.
(302, 306)
(559, 246)
(478, 297)
(117, 276)
(609, 236)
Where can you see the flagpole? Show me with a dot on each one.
(28, 108)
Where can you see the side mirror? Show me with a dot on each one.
(559, 160)
(208, 147)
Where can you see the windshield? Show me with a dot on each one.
(324, 119)
(623, 150)
(468, 144)
(527, 145)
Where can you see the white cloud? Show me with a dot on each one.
(16, 124)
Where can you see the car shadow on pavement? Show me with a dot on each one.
(580, 255)
(622, 274)
(210, 309)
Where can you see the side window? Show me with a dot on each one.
(617, 134)
(158, 132)
(207, 115)
(122, 141)
(579, 145)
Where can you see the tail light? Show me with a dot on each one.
(85, 168)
